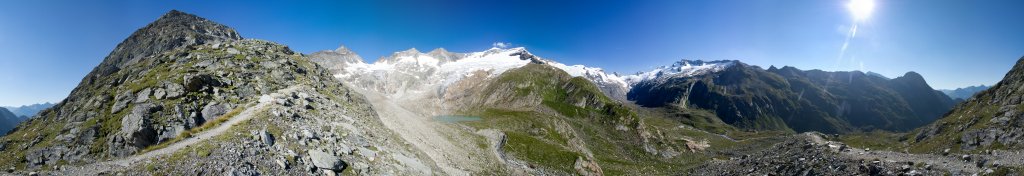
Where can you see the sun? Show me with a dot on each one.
(861, 9)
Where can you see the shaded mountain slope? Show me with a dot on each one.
(8, 120)
(788, 98)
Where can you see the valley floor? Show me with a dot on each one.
(454, 150)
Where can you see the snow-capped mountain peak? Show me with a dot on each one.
(679, 68)
(412, 70)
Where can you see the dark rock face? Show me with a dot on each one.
(524, 55)
(992, 119)
(789, 98)
(197, 83)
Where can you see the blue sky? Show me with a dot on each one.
(46, 47)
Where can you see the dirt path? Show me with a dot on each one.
(949, 163)
(937, 161)
(113, 165)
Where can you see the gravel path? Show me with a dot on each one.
(953, 162)
(113, 165)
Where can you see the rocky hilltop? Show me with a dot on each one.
(992, 119)
(193, 96)
(791, 99)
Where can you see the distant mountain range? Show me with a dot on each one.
(742, 95)
(29, 110)
(964, 93)
(791, 99)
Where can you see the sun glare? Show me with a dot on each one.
(861, 9)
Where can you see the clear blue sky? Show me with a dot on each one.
(46, 47)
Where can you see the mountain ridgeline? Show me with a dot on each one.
(791, 99)
(964, 93)
(991, 119)
(29, 110)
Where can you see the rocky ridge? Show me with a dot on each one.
(992, 119)
(196, 72)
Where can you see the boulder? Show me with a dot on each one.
(45, 156)
(143, 95)
(233, 51)
(326, 160)
(196, 83)
(213, 111)
(122, 102)
(266, 138)
(159, 93)
(137, 127)
(174, 90)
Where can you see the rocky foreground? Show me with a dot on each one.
(812, 154)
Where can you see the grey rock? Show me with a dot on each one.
(309, 134)
(143, 95)
(282, 163)
(232, 51)
(159, 93)
(367, 152)
(170, 131)
(174, 90)
(201, 82)
(213, 111)
(267, 138)
(137, 127)
(122, 102)
(326, 160)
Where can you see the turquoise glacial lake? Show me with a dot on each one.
(456, 118)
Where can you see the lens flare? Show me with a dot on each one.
(861, 9)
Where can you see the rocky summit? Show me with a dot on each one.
(185, 95)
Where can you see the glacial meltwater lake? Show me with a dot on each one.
(455, 118)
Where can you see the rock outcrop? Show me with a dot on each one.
(992, 119)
